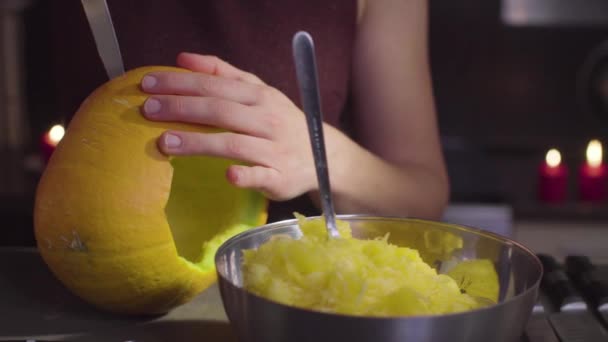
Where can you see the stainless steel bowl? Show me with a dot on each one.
(257, 319)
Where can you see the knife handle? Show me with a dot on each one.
(557, 286)
(585, 277)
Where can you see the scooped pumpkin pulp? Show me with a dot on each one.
(359, 277)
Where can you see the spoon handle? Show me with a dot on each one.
(306, 71)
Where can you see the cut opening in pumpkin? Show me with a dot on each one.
(204, 210)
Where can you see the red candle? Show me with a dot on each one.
(593, 174)
(553, 178)
(49, 141)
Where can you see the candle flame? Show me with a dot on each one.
(56, 133)
(553, 158)
(594, 153)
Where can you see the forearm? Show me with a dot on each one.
(363, 183)
(396, 166)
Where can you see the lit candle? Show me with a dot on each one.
(592, 174)
(553, 178)
(50, 140)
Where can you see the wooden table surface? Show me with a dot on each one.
(34, 305)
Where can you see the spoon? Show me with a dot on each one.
(306, 72)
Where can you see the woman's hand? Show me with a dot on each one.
(391, 164)
(266, 130)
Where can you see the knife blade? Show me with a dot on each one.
(558, 287)
(100, 22)
(539, 328)
(578, 326)
(591, 281)
(570, 316)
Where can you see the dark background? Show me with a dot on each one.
(507, 94)
(504, 94)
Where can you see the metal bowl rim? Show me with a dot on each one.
(280, 224)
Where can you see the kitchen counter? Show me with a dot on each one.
(562, 238)
(34, 305)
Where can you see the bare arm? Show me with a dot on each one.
(398, 169)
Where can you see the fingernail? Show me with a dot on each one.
(172, 140)
(148, 82)
(152, 106)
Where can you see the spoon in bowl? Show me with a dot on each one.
(306, 72)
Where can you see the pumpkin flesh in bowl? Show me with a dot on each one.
(125, 227)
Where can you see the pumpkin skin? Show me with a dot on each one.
(125, 227)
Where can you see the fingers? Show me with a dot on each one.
(209, 111)
(259, 178)
(228, 145)
(220, 95)
(198, 84)
(213, 65)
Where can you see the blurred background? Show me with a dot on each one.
(512, 78)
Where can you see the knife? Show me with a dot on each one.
(579, 326)
(100, 21)
(591, 281)
(558, 287)
(538, 328)
(570, 316)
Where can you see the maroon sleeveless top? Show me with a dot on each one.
(252, 35)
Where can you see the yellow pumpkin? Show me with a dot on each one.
(125, 227)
